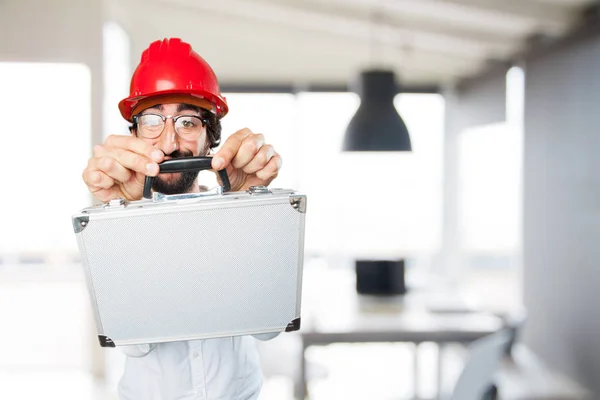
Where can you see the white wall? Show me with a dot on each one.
(562, 208)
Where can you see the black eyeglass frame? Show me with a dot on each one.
(164, 118)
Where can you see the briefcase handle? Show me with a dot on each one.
(185, 164)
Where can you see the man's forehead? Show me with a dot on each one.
(178, 107)
(155, 102)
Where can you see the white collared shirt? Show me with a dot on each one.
(211, 369)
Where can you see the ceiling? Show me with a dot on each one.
(326, 42)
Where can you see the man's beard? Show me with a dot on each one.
(181, 183)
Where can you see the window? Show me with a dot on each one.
(490, 205)
(379, 204)
(490, 179)
(490, 170)
(117, 74)
(46, 144)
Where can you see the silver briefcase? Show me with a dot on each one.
(193, 266)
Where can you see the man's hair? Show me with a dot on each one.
(213, 126)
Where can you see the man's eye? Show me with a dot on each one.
(150, 121)
(187, 123)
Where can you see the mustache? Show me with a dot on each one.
(180, 154)
(183, 181)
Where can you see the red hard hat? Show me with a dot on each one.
(171, 67)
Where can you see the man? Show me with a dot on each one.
(175, 108)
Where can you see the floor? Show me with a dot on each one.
(338, 372)
(48, 340)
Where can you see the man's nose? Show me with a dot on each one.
(169, 140)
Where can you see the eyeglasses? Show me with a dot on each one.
(188, 127)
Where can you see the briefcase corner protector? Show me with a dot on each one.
(80, 222)
(299, 203)
(293, 326)
(105, 341)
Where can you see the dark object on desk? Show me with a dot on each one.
(380, 277)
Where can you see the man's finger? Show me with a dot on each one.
(96, 180)
(223, 157)
(104, 195)
(132, 161)
(99, 151)
(260, 160)
(271, 170)
(248, 150)
(135, 145)
(111, 167)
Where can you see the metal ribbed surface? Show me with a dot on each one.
(196, 273)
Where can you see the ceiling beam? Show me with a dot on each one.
(355, 28)
(246, 58)
(240, 87)
(392, 14)
(428, 49)
(483, 18)
(462, 18)
(552, 18)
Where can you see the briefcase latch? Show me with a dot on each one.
(118, 202)
(259, 190)
(158, 197)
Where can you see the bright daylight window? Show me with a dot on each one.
(46, 135)
(490, 204)
(348, 194)
(46, 144)
(490, 184)
(116, 51)
(490, 168)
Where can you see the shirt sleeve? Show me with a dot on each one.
(138, 350)
(266, 336)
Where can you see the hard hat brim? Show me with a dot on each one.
(203, 99)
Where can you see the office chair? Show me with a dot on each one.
(476, 379)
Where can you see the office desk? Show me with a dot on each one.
(332, 312)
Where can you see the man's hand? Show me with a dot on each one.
(249, 161)
(119, 167)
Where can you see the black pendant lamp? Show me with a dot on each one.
(377, 126)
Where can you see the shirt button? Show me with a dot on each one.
(195, 354)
